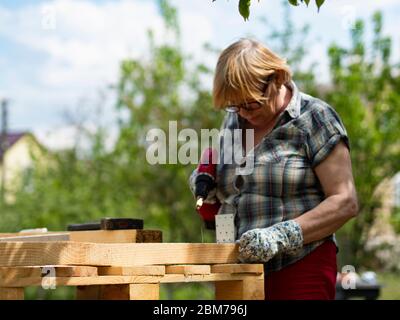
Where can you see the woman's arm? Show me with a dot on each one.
(340, 205)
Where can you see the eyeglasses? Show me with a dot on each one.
(249, 106)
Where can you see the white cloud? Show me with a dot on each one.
(82, 50)
(88, 41)
(69, 136)
(360, 6)
(82, 53)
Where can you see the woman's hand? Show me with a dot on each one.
(261, 245)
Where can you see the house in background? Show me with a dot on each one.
(21, 149)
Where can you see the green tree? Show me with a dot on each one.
(150, 93)
(292, 43)
(73, 187)
(365, 92)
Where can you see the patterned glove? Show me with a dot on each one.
(261, 245)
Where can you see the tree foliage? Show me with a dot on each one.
(365, 92)
(244, 6)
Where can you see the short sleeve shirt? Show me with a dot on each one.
(282, 184)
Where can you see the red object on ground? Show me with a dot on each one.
(311, 278)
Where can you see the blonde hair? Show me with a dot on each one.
(244, 69)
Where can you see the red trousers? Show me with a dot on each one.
(311, 278)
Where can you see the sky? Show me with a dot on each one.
(58, 58)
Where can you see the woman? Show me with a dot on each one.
(301, 189)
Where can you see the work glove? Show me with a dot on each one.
(261, 245)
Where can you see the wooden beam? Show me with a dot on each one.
(96, 254)
(50, 270)
(109, 280)
(246, 289)
(12, 293)
(144, 291)
(148, 236)
(88, 292)
(38, 238)
(95, 236)
(132, 271)
(188, 269)
(137, 291)
(237, 268)
(116, 236)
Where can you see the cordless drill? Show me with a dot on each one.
(204, 183)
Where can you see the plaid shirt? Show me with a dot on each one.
(283, 184)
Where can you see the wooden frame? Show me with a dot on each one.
(122, 264)
(246, 283)
(110, 254)
(96, 236)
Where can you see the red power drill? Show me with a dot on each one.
(204, 183)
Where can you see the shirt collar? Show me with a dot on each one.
(293, 107)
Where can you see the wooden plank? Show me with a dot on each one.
(96, 254)
(50, 270)
(131, 271)
(11, 293)
(137, 291)
(237, 268)
(142, 291)
(94, 236)
(246, 289)
(116, 236)
(188, 269)
(87, 292)
(108, 280)
(18, 234)
(148, 236)
(38, 238)
(114, 292)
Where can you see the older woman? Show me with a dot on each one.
(301, 189)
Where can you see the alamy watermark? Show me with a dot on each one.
(349, 277)
(48, 278)
(184, 147)
(49, 17)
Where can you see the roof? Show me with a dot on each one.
(12, 138)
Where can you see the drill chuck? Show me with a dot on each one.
(204, 184)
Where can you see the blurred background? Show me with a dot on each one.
(82, 82)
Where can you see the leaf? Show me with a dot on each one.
(307, 2)
(244, 9)
(293, 2)
(319, 3)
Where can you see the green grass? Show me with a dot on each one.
(391, 286)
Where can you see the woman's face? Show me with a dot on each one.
(261, 115)
(255, 117)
